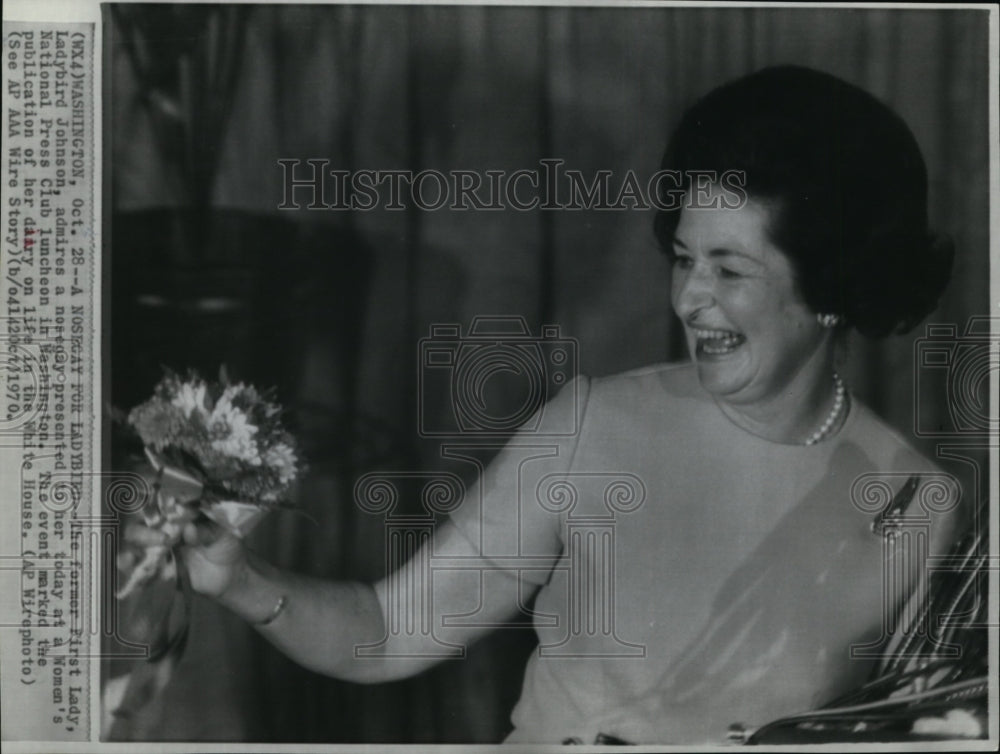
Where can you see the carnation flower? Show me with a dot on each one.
(956, 723)
(232, 432)
(281, 458)
(157, 423)
(190, 397)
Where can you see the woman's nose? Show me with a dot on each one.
(692, 291)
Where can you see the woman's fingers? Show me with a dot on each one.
(201, 533)
(144, 536)
(126, 559)
(212, 554)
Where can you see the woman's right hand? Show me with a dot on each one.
(214, 557)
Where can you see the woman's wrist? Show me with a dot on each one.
(238, 582)
(252, 594)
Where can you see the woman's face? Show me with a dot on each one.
(748, 329)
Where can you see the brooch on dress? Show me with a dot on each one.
(888, 523)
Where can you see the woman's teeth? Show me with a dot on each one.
(717, 341)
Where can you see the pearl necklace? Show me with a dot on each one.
(839, 399)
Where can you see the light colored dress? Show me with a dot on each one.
(693, 575)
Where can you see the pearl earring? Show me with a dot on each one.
(828, 320)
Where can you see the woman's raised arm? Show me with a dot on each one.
(318, 623)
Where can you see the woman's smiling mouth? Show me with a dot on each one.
(717, 342)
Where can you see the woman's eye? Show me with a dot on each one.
(728, 274)
(682, 262)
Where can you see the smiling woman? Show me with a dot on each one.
(833, 235)
(758, 347)
(698, 538)
(845, 183)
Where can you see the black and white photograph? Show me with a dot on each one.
(553, 374)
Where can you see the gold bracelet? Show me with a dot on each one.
(279, 608)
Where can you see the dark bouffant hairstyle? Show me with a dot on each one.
(848, 182)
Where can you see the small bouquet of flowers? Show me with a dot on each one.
(216, 449)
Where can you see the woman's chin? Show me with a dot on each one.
(721, 374)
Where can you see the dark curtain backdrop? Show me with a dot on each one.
(329, 306)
